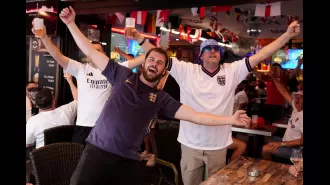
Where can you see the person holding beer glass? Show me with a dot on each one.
(94, 89)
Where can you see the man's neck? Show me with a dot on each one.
(210, 67)
(150, 84)
(46, 110)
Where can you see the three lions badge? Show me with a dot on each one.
(221, 80)
(152, 97)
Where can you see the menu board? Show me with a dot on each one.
(43, 67)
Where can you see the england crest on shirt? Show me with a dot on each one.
(152, 97)
(221, 80)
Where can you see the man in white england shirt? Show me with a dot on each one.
(293, 136)
(210, 88)
(94, 89)
(49, 116)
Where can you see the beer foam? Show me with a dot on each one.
(38, 23)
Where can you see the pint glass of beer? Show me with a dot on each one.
(38, 26)
(36, 60)
(36, 78)
(130, 25)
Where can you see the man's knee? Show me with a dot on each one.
(241, 145)
(266, 150)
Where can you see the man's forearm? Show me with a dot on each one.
(269, 50)
(83, 43)
(136, 61)
(280, 87)
(146, 46)
(125, 55)
(55, 52)
(188, 114)
(211, 120)
(283, 90)
(296, 142)
(99, 59)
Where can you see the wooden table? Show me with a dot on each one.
(272, 173)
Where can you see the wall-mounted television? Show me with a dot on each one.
(46, 10)
(288, 58)
(129, 46)
(294, 56)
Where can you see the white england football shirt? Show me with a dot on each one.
(207, 92)
(93, 91)
(294, 129)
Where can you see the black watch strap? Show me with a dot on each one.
(141, 43)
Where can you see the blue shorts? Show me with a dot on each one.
(282, 152)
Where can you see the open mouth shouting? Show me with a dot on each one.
(152, 70)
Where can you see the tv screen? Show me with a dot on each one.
(288, 58)
(294, 55)
(46, 10)
(281, 57)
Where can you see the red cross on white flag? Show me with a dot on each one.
(140, 17)
(268, 10)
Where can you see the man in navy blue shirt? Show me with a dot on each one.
(111, 153)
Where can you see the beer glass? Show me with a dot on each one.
(38, 27)
(36, 78)
(254, 121)
(36, 63)
(130, 25)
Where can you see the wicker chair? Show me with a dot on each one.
(168, 155)
(58, 134)
(54, 164)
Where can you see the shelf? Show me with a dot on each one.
(263, 71)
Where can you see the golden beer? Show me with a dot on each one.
(39, 32)
(36, 61)
(128, 32)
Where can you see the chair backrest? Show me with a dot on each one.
(54, 164)
(166, 147)
(58, 134)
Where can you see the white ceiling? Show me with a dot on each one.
(292, 8)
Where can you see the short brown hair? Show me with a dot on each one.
(44, 98)
(158, 50)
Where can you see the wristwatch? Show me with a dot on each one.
(283, 144)
(142, 42)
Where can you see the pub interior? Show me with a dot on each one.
(135, 92)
